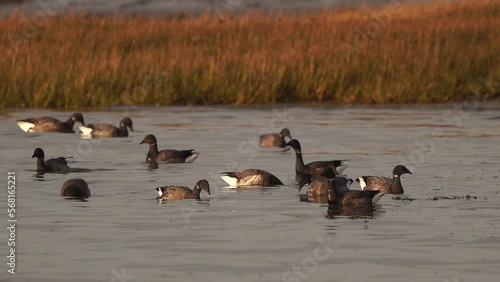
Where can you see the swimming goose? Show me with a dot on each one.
(182, 192)
(59, 165)
(275, 139)
(305, 172)
(168, 156)
(352, 197)
(385, 184)
(318, 185)
(100, 130)
(250, 177)
(75, 188)
(49, 124)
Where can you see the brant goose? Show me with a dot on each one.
(49, 124)
(275, 139)
(100, 130)
(250, 177)
(305, 172)
(318, 185)
(351, 197)
(75, 188)
(182, 192)
(59, 165)
(385, 184)
(168, 156)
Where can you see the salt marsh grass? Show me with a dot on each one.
(411, 53)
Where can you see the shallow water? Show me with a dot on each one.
(123, 234)
(180, 6)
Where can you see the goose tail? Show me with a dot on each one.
(231, 181)
(341, 168)
(192, 158)
(377, 197)
(86, 131)
(25, 125)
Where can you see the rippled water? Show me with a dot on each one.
(181, 6)
(260, 234)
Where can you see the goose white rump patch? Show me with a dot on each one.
(26, 126)
(231, 181)
(251, 180)
(86, 131)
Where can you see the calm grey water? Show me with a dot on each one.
(181, 6)
(123, 234)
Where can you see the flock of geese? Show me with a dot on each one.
(322, 178)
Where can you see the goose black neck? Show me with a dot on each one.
(300, 167)
(196, 192)
(396, 187)
(153, 152)
(69, 123)
(303, 179)
(40, 164)
(122, 131)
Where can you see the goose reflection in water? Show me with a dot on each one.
(364, 212)
(314, 199)
(353, 212)
(153, 165)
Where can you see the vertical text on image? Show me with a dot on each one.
(11, 222)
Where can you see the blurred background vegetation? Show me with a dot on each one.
(411, 53)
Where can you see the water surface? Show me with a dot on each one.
(260, 234)
(155, 7)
